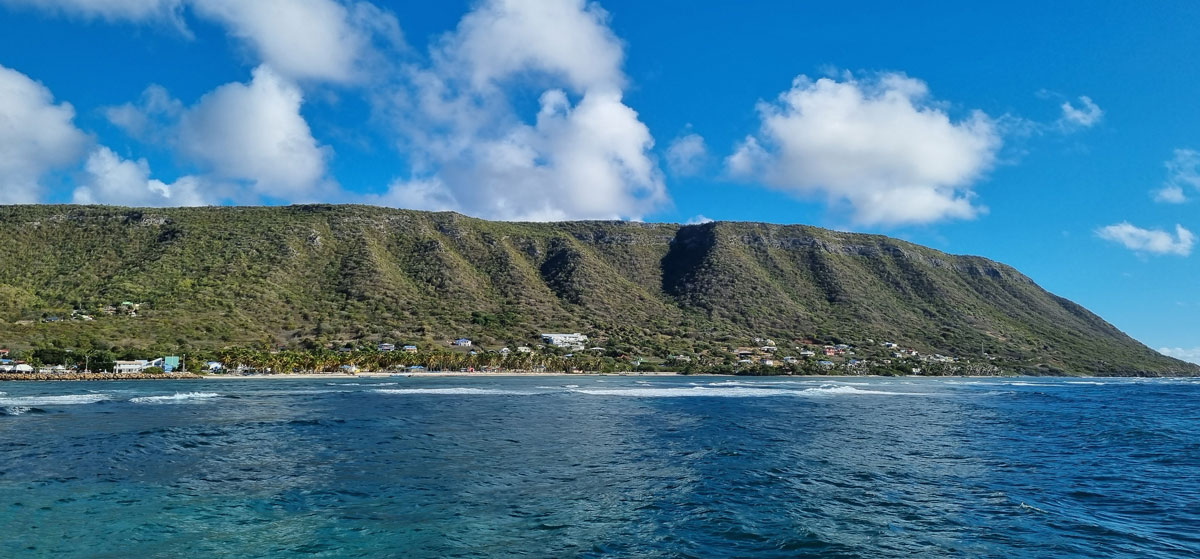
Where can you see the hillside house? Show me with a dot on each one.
(386, 347)
(461, 342)
(574, 341)
(409, 349)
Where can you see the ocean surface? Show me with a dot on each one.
(584, 466)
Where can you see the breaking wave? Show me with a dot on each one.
(177, 397)
(452, 391)
(63, 400)
(737, 392)
(19, 410)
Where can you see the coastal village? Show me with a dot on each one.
(552, 352)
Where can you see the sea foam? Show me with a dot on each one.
(728, 391)
(452, 391)
(62, 400)
(178, 397)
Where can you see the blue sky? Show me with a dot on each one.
(1059, 138)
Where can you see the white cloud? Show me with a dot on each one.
(254, 132)
(568, 38)
(306, 39)
(1191, 355)
(699, 219)
(1183, 171)
(36, 136)
(325, 40)
(687, 155)
(1154, 241)
(1087, 115)
(1170, 194)
(146, 120)
(880, 145)
(109, 179)
(109, 10)
(585, 154)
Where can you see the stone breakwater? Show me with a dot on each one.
(96, 376)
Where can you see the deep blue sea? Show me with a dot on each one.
(584, 466)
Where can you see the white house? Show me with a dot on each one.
(575, 341)
(130, 366)
(462, 342)
(386, 347)
(23, 368)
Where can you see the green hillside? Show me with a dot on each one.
(209, 278)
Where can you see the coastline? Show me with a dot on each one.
(428, 374)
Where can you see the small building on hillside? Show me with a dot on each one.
(462, 342)
(409, 349)
(386, 347)
(524, 349)
(574, 341)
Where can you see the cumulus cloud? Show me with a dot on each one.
(687, 155)
(881, 146)
(584, 154)
(255, 133)
(1187, 354)
(699, 219)
(1152, 241)
(1183, 171)
(569, 38)
(109, 179)
(306, 39)
(150, 116)
(36, 136)
(1088, 114)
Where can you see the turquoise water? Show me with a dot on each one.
(601, 467)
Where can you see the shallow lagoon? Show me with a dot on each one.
(585, 466)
